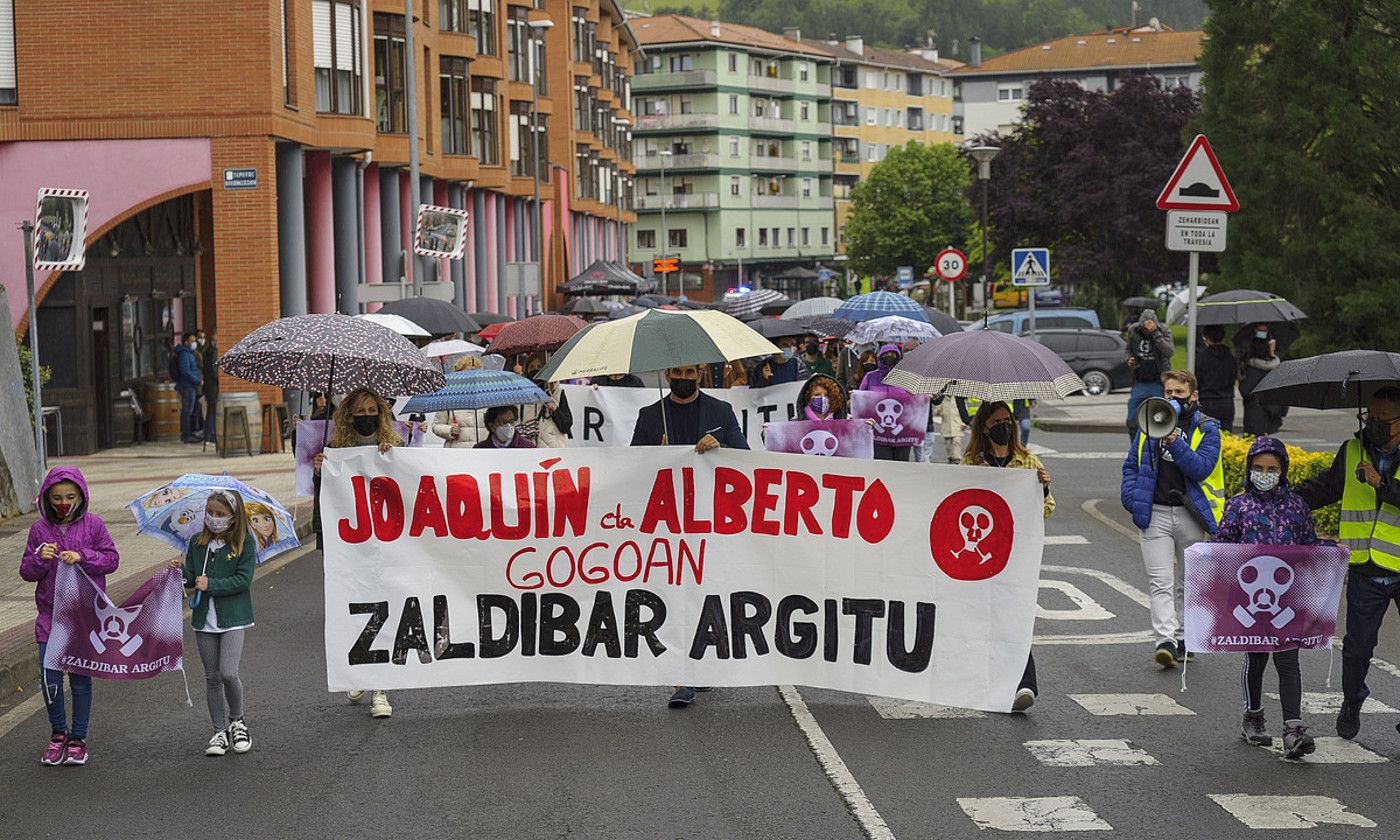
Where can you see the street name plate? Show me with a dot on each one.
(1195, 230)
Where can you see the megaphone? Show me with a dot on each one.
(1157, 417)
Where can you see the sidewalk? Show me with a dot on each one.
(114, 478)
(1108, 414)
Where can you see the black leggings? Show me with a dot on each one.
(1028, 679)
(1290, 682)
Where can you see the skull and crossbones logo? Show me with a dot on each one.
(819, 443)
(887, 411)
(976, 524)
(1264, 580)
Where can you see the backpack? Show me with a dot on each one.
(173, 366)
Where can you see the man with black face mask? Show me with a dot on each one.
(1362, 477)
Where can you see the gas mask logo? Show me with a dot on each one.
(971, 535)
(887, 411)
(819, 443)
(1264, 580)
(114, 628)
(976, 525)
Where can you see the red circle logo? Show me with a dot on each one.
(971, 534)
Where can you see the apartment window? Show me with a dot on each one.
(579, 22)
(687, 105)
(336, 35)
(763, 237)
(734, 67)
(452, 15)
(806, 237)
(734, 147)
(826, 236)
(485, 143)
(481, 25)
(733, 103)
(806, 187)
(806, 149)
(7, 47)
(675, 238)
(734, 185)
(758, 107)
(792, 237)
(756, 67)
(681, 63)
(646, 239)
(804, 111)
(452, 85)
(1177, 81)
(517, 44)
(522, 141)
(741, 238)
(389, 100)
(1010, 93)
(872, 79)
(872, 116)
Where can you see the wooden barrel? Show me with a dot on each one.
(162, 405)
(253, 405)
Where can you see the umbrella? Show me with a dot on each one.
(655, 340)
(645, 303)
(625, 312)
(892, 329)
(811, 306)
(1333, 380)
(829, 326)
(942, 321)
(478, 389)
(1283, 332)
(1245, 306)
(777, 307)
(174, 513)
(1140, 303)
(486, 319)
(492, 330)
(773, 328)
(454, 347)
(538, 332)
(436, 316)
(873, 305)
(986, 365)
(753, 302)
(325, 352)
(586, 306)
(397, 323)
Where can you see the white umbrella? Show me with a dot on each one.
(397, 323)
(892, 330)
(454, 347)
(811, 307)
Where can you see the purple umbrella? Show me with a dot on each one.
(985, 365)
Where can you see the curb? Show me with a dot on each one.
(21, 667)
(1068, 424)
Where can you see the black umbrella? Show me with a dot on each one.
(1332, 380)
(486, 319)
(436, 316)
(828, 325)
(774, 328)
(585, 306)
(777, 307)
(942, 321)
(1140, 303)
(1245, 306)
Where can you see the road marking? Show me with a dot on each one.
(1112, 705)
(1332, 750)
(1085, 608)
(1288, 811)
(870, 821)
(1132, 592)
(1089, 753)
(1065, 539)
(891, 709)
(1086, 456)
(1330, 702)
(20, 713)
(1091, 507)
(1132, 637)
(1041, 813)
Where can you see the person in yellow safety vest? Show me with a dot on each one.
(1175, 490)
(1362, 477)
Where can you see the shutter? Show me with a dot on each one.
(7, 45)
(345, 46)
(321, 32)
(514, 137)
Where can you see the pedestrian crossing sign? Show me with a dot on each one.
(1030, 266)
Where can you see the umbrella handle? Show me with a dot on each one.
(330, 388)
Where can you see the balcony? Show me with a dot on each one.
(848, 158)
(824, 164)
(684, 201)
(772, 164)
(653, 162)
(822, 128)
(676, 122)
(773, 124)
(775, 202)
(667, 81)
(770, 83)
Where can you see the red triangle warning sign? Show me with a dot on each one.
(1198, 183)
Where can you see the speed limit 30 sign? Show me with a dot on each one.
(950, 264)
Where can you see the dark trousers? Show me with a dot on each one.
(1367, 600)
(893, 453)
(189, 404)
(1290, 682)
(81, 686)
(1028, 679)
(211, 405)
(1222, 409)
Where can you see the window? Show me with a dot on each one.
(806, 149)
(336, 37)
(763, 237)
(681, 63)
(581, 50)
(1010, 93)
(675, 238)
(804, 111)
(806, 187)
(777, 243)
(734, 68)
(1177, 82)
(872, 152)
(734, 185)
(7, 83)
(734, 147)
(452, 84)
(756, 67)
(452, 15)
(687, 105)
(792, 237)
(803, 71)
(517, 44)
(481, 25)
(741, 238)
(522, 140)
(872, 116)
(806, 237)
(733, 103)
(826, 236)
(389, 100)
(646, 239)
(485, 146)
(872, 80)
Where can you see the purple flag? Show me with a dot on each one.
(311, 440)
(846, 438)
(901, 419)
(93, 636)
(1262, 598)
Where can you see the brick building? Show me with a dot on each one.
(147, 108)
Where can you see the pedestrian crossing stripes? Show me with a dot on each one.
(1089, 752)
(1111, 705)
(1288, 811)
(891, 709)
(1333, 750)
(1330, 702)
(1037, 813)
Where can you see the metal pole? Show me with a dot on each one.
(415, 192)
(41, 457)
(1030, 306)
(664, 240)
(621, 240)
(1191, 312)
(535, 223)
(952, 310)
(986, 292)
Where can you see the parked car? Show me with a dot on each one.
(1019, 321)
(1006, 294)
(1100, 357)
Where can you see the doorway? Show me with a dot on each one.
(101, 377)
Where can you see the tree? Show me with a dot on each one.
(913, 204)
(1080, 175)
(1303, 111)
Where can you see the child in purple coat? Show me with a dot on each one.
(65, 533)
(1268, 512)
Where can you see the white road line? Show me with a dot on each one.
(1136, 595)
(1066, 539)
(1131, 705)
(1330, 702)
(1040, 813)
(1085, 456)
(835, 768)
(1091, 507)
(1084, 609)
(1331, 750)
(1290, 811)
(1089, 753)
(1132, 637)
(890, 708)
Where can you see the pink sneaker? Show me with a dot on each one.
(53, 755)
(76, 752)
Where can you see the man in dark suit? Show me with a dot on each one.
(691, 419)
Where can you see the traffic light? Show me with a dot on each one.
(665, 265)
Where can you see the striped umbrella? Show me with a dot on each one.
(985, 365)
(753, 302)
(829, 326)
(538, 332)
(892, 329)
(812, 307)
(873, 305)
(478, 389)
(655, 340)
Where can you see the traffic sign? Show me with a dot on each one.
(1030, 266)
(1198, 182)
(666, 265)
(950, 264)
(905, 275)
(823, 275)
(1196, 230)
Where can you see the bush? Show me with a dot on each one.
(45, 374)
(1302, 465)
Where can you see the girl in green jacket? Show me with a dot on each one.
(218, 567)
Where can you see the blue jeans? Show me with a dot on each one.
(1367, 600)
(189, 404)
(1025, 430)
(1141, 391)
(53, 700)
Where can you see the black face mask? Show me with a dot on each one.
(809, 349)
(365, 424)
(1001, 433)
(1378, 432)
(684, 388)
(868, 367)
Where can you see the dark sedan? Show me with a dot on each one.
(1098, 356)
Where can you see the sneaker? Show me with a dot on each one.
(1296, 740)
(355, 696)
(1253, 731)
(379, 705)
(218, 745)
(683, 696)
(1165, 655)
(1349, 719)
(1025, 698)
(1184, 655)
(238, 734)
(54, 752)
(75, 753)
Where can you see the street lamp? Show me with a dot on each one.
(618, 123)
(984, 155)
(537, 30)
(665, 240)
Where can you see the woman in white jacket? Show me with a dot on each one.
(464, 427)
(537, 422)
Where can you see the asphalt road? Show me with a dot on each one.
(554, 761)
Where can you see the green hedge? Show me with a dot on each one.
(1302, 465)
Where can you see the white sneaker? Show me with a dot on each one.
(218, 745)
(379, 705)
(355, 696)
(1025, 698)
(238, 734)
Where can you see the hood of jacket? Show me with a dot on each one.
(1266, 446)
(1149, 315)
(56, 475)
(805, 395)
(888, 348)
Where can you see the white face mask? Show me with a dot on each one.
(1264, 481)
(217, 524)
(504, 433)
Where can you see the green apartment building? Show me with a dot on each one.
(733, 139)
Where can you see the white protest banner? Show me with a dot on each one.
(660, 566)
(606, 416)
